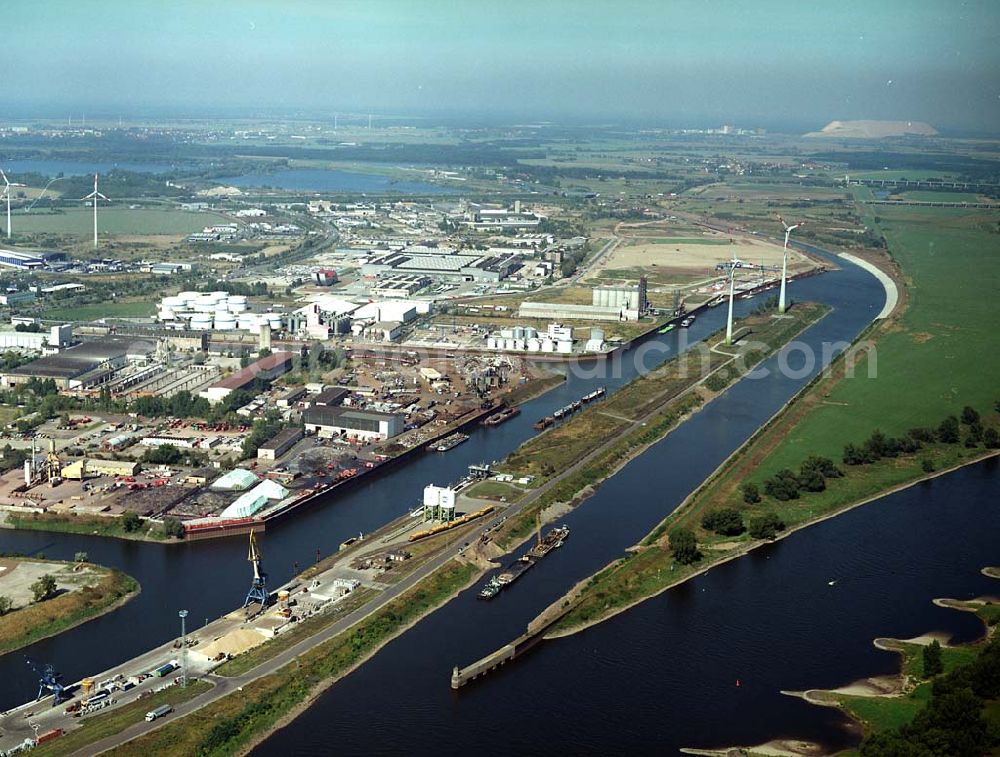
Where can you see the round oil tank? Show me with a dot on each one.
(189, 296)
(250, 323)
(223, 323)
(548, 345)
(201, 322)
(237, 298)
(165, 314)
(173, 302)
(220, 295)
(274, 319)
(534, 344)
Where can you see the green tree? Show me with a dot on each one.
(80, 557)
(766, 526)
(933, 664)
(970, 416)
(6, 603)
(131, 521)
(948, 431)
(727, 521)
(751, 493)
(684, 546)
(173, 527)
(44, 588)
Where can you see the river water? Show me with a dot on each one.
(410, 677)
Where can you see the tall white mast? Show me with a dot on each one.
(95, 196)
(6, 194)
(784, 262)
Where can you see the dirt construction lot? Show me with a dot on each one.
(694, 254)
(17, 575)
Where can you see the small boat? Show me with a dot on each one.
(544, 423)
(668, 328)
(687, 321)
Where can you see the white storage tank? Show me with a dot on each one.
(519, 332)
(201, 322)
(518, 344)
(530, 332)
(165, 314)
(534, 344)
(249, 322)
(548, 345)
(507, 333)
(225, 323)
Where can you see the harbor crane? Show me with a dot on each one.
(258, 588)
(48, 681)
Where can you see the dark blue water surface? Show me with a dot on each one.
(322, 180)
(77, 167)
(664, 677)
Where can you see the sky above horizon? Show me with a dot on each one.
(637, 61)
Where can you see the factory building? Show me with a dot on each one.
(608, 303)
(17, 298)
(556, 339)
(325, 277)
(265, 369)
(282, 442)
(364, 425)
(18, 259)
(481, 218)
(401, 285)
(438, 264)
(238, 479)
(80, 469)
(87, 365)
(55, 338)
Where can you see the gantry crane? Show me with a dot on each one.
(48, 680)
(258, 588)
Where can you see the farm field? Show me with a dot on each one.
(936, 360)
(116, 220)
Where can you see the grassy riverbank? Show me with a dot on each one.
(92, 525)
(928, 364)
(235, 721)
(640, 414)
(49, 617)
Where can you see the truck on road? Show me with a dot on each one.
(159, 712)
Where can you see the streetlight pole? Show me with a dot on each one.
(182, 614)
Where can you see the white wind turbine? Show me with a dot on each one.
(784, 261)
(732, 286)
(95, 196)
(6, 196)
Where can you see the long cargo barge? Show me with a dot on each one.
(500, 581)
(502, 417)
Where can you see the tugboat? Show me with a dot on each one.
(687, 321)
(491, 589)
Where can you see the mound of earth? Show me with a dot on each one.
(874, 129)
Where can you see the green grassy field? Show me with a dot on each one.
(106, 310)
(942, 357)
(931, 196)
(116, 221)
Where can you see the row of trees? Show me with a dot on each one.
(728, 521)
(785, 484)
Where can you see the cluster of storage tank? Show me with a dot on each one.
(201, 311)
(525, 338)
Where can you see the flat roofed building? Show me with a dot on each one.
(265, 369)
(84, 366)
(282, 442)
(361, 424)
